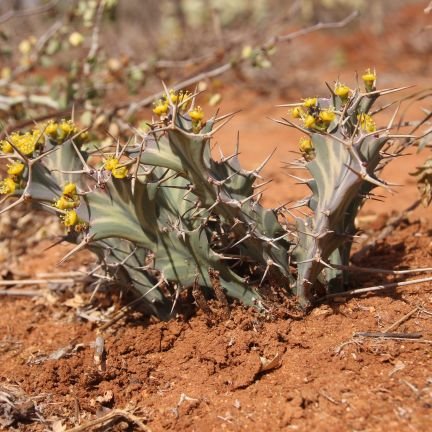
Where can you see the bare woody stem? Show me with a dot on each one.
(375, 288)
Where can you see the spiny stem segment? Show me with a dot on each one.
(161, 212)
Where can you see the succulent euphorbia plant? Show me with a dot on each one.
(162, 214)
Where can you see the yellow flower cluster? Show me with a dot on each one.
(312, 116)
(305, 145)
(70, 218)
(369, 79)
(197, 114)
(7, 186)
(10, 183)
(310, 102)
(179, 98)
(69, 199)
(113, 164)
(307, 148)
(25, 143)
(161, 106)
(68, 202)
(71, 221)
(342, 91)
(367, 123)
(60, 132)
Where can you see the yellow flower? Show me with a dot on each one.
(342, 90)
(369, 79)
(174, 97)
(327, 116)
(7, 186)
(76, 39)
(247, 52)
(161, 107)
(70, 219)
(111, 163)
(367, 123)
(120, 172)
(309, 121)
(196, 114)
(25, 46)
(182, 98)
(65, 130)
(369, 76)
(65, 203)
(69, 189)
(83, 137)
(15, 168)
(297, 112)
(5, 147)
(6, 73)
(38, 137)
(310, 102)
(51, 129)
(26, 143)
(177, 97)
(305, 145)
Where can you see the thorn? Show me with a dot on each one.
(77, 248)
(262, 184)
(326, 265)
(251, 197)
(237, 147)
(299, 204)
(289, 123)
(269, 263)
(330, 89)
(289, 105)
(282, 206)
(228, 158)
(222, 156)
(14, 204)
(402, 136)
(304, 261)
(388, 90)
(264, 163)
(241, 240)
(213, 131)
(223, 117)
(390, 123)
(167, 93)
(299, 179)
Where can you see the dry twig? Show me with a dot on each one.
(112, 415)
(220, 70)
(401, 320)
(375, 288)
(35, 282)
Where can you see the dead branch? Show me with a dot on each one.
(132, 108)
(401, 320)
(375, 288)
(388, 335)
(35, 282)
(21, 293)
(112, 415)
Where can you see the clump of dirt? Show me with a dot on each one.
(207, 372)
